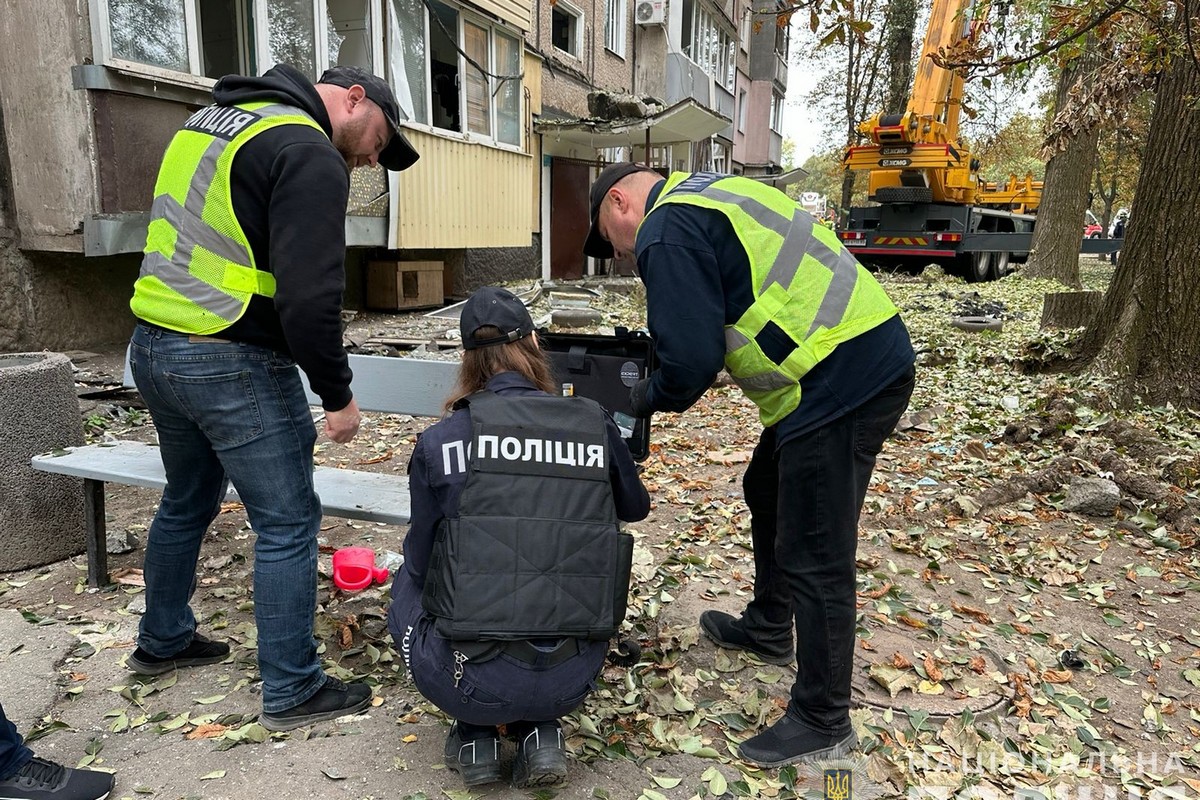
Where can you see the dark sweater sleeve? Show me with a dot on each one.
(424, 515)
(685, 311)
(310, 187)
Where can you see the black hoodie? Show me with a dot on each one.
(290, 187)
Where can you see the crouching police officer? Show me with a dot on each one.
(515, 572)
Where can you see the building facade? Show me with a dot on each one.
(514, 105)
(91, 92)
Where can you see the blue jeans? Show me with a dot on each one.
(13, 752)
(232, 412)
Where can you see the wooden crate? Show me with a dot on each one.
(396, 285)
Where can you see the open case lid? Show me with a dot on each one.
(604, 369)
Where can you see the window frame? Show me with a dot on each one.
(255, 34)
(777, 101)
(577, 33)
(710, 45)
(493, 28)
(618, 33)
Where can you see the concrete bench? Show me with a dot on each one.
(390, 385)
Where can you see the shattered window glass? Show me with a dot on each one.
(149, 32)
(292, 38)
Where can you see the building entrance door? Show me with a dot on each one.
(569, 219)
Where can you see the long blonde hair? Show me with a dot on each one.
(479, 365)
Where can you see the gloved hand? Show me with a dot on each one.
(637, 399)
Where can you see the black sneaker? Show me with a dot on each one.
(789, 741)
(334, 699)
(541, 758)
(200, 651)
(44, 780)
(728, 632)
(477, 760)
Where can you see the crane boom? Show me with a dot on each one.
(916, 156)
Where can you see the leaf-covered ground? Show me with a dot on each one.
(1004, 643)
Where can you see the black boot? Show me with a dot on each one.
(789, 741)
(541, 757)
(476, 759)
(729, 632)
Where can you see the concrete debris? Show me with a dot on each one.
(1095, 497)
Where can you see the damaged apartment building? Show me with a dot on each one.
(91, 92)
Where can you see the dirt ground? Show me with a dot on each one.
(1016, 648)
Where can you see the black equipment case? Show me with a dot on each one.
(604, 369)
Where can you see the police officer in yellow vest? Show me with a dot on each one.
(242, 282)
(738, 276)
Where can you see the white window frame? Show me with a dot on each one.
(777, 101)
(743, 101)
(616, 26)
(577, 13)
(466, 15)
(711, 46)
(102, 42)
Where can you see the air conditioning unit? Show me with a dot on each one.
(649, 12)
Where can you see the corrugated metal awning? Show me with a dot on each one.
(686, 121)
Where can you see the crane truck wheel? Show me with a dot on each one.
(980, 268)
(1000, 265)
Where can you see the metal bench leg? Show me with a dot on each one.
(97, 532)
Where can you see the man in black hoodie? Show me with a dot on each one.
(241, 282)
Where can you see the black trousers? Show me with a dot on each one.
(805, 498)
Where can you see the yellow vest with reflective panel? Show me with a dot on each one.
(198, 273)
(804, 280)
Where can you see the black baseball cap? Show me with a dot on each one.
(398, 154)
(596, 245)
(499, 308)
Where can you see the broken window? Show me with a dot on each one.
(291, 35)
(443, 67)
(350, 21)
(406, 58)
(508, 97)
(150, 32)
(565, 25)
(479, 116)
(219, 37)
(222, 38)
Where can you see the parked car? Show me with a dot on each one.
(1092, 231)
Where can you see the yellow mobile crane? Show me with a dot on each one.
(933, 207)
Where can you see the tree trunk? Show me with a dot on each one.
(1148, 332)
(1059, 230)
(898, 49)
(1070, 309)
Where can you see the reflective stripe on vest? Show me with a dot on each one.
(805, 283)
(198, 273)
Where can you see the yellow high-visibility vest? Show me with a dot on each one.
(805, 283)
(198, 273)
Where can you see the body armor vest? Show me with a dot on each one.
(535, 550)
